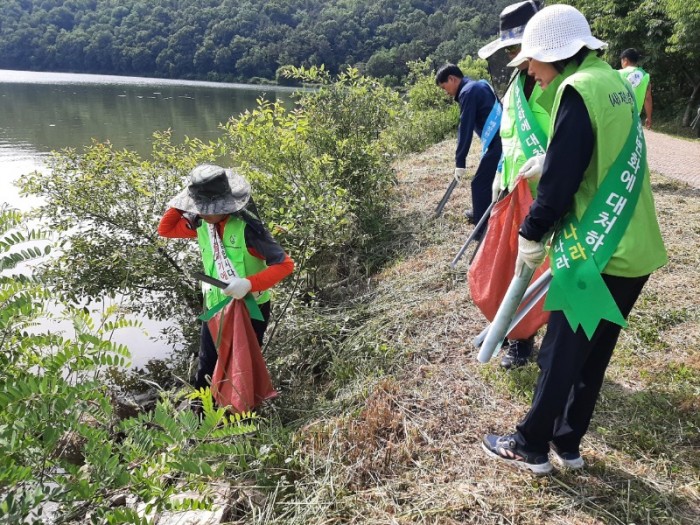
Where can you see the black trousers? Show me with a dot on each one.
(207, 349)
(571, 375)
(483, 178)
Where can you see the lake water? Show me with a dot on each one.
(42, 112)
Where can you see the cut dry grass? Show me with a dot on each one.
(409, 450)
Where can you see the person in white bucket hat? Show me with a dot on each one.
(216, 208)
(594, 195)
(524, 128)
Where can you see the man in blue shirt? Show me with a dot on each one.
(479, 111)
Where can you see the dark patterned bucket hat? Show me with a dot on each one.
(512, 22)
(212, 190)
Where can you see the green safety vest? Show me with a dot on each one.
(513, 155)
(641, 249)
(237, 252)
(639, 79)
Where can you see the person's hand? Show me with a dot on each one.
(459, 173)
(647, 122)
(532, 167)
(237, 288)
(496, 188)
(530, 254)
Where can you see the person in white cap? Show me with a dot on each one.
(524, 129)
(595, 194)
(216, 208)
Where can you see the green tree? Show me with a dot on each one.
(666, 33)
(474, 68)
(238, 39)
(321, 172)
(684, 45)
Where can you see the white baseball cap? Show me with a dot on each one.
(555, 33)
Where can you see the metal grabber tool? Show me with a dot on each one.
(446, 196)
(477, 232)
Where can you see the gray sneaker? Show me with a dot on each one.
(505, 448)
(572, 460)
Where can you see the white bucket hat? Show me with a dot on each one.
(555, 33)
(511, 25)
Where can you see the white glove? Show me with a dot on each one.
(237, 288)
(532, 167)
(459, 173)
(496, 188)
(530, 254)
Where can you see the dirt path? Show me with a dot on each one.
(674, 157)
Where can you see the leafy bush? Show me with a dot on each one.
(60, 439)
(105, 206)
(349, 117)
(321, 173)
(423, 93)
(474, 68)
(430, 114)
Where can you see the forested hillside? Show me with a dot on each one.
(249, 40)
(239, 39)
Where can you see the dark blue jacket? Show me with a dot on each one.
(476, 100)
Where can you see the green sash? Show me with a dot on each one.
(581, 249)
(533, 139)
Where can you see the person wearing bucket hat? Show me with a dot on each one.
(480, 113)
(512, 21)
(217, 209)
(594, 194)
(524, 128)
(639, 79)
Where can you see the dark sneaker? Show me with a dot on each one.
(469, 214)
(572, 460)
(507, 449)
(518, 354)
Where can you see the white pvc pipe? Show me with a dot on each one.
(505, 314)
(534, 293)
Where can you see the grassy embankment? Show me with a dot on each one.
(403, 445)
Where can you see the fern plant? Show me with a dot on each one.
(60, 440)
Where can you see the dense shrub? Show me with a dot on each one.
(321, 172)
(61, 441)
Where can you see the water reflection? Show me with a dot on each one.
(57, 113)
(41, 112)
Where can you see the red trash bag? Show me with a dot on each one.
(494, 264)
(240, 379)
